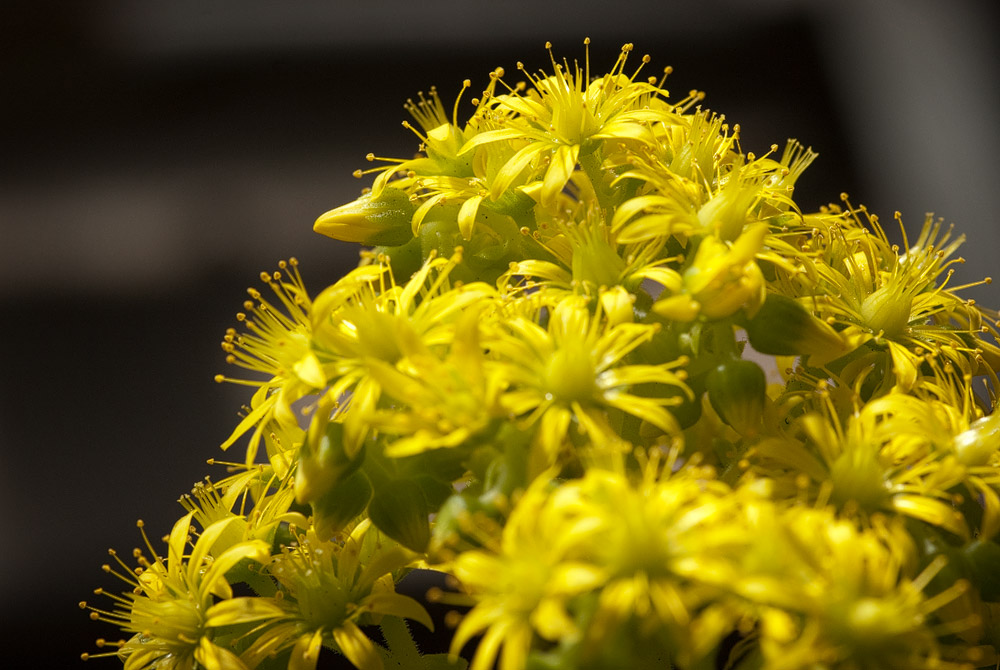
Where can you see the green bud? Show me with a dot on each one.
(323, 464)
(495, 243)
(399, 509)
(333, 510)
(736, 390)
(688, 411)
(405, 260)
(982, 558)
(783, 327)
(975, 446)
(382, 219)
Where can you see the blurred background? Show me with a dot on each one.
(155, 156)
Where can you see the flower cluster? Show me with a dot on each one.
(598, 367)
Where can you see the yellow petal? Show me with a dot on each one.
(214, 579)
(551, 620)
(513, 167)
(242, 610)
(932, 511)
(467, 216)
(482, 616)
(305, 653)
(175, 545)
(486, 652)
(560, 170)
(396, 604)
(310, 370)
(213, 657)
(356, 646)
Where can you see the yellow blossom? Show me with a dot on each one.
(327, 590)
(574, 372)
(172, 602)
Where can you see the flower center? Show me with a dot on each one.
(569, 375)
(888, 311)
(857, 477)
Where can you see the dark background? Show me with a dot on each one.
(156, 155)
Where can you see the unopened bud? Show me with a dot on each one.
(399, 509)
(323, 462)
(736, 390)
(975, 446)
(783, 327)
(339, 505)
(376, 220)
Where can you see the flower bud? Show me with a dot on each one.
(981, 558)
(399, 509)
(323, 463)
(783, 327)
(340, 504)
(383, 219)
(975, 446)
(736, 390)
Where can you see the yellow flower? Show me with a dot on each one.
(445, 175)
(521, 586)
(564, 116)
(889, 456)
(589, 259)
(172, 603)
(277, 343)
(573, 370)
(846, 601)
(860, 284)
(440, 403)
(701, 185)
(255, 496)
(721, 280)
(385, 326)
(328, 590)
(326, 347)
(667, 546)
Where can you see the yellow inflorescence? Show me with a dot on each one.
(600, 369)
